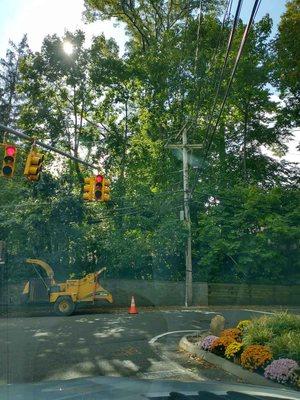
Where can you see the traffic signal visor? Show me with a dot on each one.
(8, 165)
(88, 188)
(105, 189)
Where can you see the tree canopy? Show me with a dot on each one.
(121, 111)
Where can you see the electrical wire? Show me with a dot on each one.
(212, 66)
(229, 46)
(105, 218)
(242, 43)
(244, 38)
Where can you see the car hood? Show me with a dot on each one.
(127, 388)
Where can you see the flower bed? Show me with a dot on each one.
(267, 345)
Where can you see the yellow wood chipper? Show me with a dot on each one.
(66, 295)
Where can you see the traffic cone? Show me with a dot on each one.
(132, 308)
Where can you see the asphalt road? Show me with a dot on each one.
(39, 348)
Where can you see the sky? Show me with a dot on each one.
(38, 18)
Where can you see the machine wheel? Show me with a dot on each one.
(24, 298)
(64, 305)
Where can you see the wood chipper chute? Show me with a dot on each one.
(65, 295)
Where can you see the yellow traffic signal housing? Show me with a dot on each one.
(8, 165)
(105, 190)
(89, 188)
(33, 165)
(98, 187)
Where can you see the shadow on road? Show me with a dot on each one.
(43, 348)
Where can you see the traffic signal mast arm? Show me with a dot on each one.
(46, 146)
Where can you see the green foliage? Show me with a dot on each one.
(287, 66)
(250, 234)
(120, 112)
(286, 345)
(257, 333)
(283, 322)
(281, 332)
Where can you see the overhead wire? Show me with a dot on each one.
(212, 66)
(228, 49)
(242, 43)
(241, 47)
(179, 64)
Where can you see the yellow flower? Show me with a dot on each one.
(242, 325)
(233, 349)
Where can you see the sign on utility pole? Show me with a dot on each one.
(187, 218)
(2, 252)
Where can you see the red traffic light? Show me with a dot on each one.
(99, 178)
(8, 165)
(10, 150)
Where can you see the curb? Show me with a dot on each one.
(234, 369)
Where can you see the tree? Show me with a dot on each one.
(120, 112)
(60, 97)
(10, 99)
(287, 64)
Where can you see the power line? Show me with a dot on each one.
(229, 46)
(244, 38)
(105, 218)
(134, 209)
(212, 65)
(242, 43)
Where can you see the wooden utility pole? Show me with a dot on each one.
(186, 203)
(187, 217)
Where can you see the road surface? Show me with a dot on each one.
(47, 347)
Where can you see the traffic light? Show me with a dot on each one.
(98, 187)
(105, 190)
(33, 165)
(8, 165)
(89, 188)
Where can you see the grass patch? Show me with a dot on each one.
(286, 345)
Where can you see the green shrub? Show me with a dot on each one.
(286, 346)
(263, 330)
(283, 322)
(257, 333)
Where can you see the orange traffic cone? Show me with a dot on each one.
(132, 308)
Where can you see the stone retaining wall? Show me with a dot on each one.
(162, 293)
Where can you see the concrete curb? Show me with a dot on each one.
(228, 366)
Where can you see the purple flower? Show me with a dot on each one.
(281, 370)
(208, 341)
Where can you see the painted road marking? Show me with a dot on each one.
(199, 311)
(155, 338)
(260, 312)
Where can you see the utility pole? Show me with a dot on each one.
(186, 202)
(187, 217)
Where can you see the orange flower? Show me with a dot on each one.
(255, 356)
(220, 344)
(235, 333)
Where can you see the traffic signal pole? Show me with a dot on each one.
(186, 204)
(46, 146)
